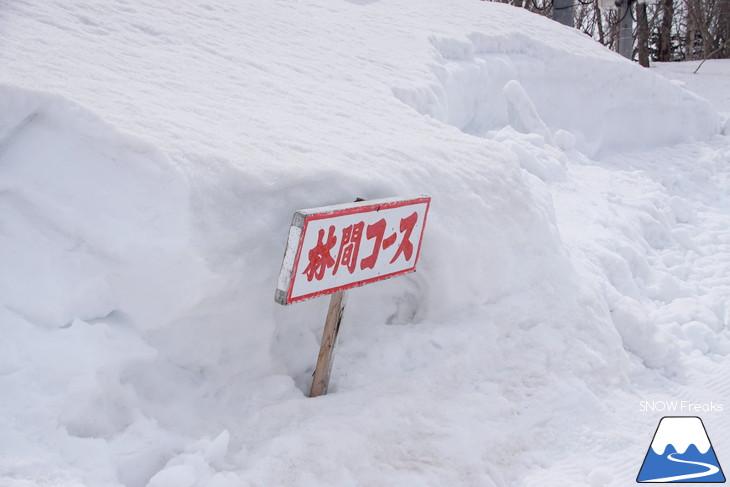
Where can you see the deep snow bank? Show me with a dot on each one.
(134, 284)
(89, 213)
(140, 258)
(630, 108)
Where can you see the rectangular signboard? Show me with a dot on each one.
(334, 248)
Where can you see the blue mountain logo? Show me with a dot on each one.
(681, 452)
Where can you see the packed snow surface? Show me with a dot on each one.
(575, 266)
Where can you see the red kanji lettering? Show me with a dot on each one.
(349, 247)
(406, 247)
(319, 256)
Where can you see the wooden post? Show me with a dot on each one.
(321, 379)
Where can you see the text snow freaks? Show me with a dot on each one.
(684, 407)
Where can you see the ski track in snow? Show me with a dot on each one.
(711, 469)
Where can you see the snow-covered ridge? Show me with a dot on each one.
(194, 91)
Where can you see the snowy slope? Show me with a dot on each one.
(151, 157)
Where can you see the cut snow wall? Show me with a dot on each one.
(609, 104)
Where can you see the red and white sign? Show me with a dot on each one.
(334, 248)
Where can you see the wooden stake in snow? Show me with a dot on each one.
(336, 248)
(321, 378)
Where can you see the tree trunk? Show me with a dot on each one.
(642, 34)
(724, 28)
(665, 31)
(599, 23)
(690, 38)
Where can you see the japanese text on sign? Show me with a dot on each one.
(335, 248)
